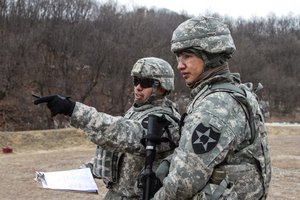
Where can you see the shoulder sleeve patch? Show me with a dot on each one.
(204, 139)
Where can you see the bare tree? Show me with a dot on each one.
(86, 50)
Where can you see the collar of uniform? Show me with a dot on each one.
(225, 77)
(158, 102)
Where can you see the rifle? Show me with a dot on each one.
(150, 183)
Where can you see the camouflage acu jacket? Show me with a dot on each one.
(216, 136)
(122, 135)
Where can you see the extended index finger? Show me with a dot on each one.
(44, 99)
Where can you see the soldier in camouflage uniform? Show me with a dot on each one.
(223, 151)
(120, 155)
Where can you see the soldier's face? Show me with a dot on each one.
(190, 66)
(142, 93)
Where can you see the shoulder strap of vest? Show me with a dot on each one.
(241, 99)
(228, 87)
(159, 110)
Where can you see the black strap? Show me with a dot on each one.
(169, 138)
(181, 123)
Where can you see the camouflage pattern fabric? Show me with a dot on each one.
(155, 68)
(105, 165)
(204, 33)
(216, 134)
(123, 134)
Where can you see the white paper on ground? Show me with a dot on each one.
(76, 179)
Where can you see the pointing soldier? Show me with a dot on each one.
(120, 155)
(223, 151)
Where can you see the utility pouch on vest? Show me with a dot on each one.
(235, 172)
(217, 176)
(223, 190)
(222, 182)
(111, 176)
(106, 166)
(218, 187)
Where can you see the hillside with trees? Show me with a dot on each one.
(85, 49)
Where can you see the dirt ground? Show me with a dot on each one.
(68, 149)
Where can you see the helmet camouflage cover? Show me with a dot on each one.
(203, 33)
(155, 68)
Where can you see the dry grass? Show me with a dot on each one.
(44, 140)
(63, 149)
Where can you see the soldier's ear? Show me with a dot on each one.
(161, 91)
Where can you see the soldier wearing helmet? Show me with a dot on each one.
(155, 73)
(223, 151)
(120, 156)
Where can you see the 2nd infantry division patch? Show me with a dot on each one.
(204, 139)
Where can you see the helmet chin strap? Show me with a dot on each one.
(151, 97)
(210, 60)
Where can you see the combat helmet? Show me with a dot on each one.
(155, 68)
(206, 34)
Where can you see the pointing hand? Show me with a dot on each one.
(57, 104)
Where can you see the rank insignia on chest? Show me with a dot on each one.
(204, 139)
